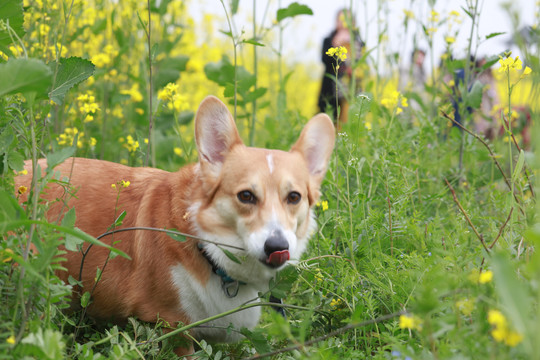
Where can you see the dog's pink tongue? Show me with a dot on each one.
(278, 258)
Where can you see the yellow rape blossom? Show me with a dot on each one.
(485, 277)
(339, 53)
(410, 322)
(509, 64)
(11, 340)
(466, 306)
(335, 303)
(434, 16)
(408, 14)
(131, 144)
(526, 72)
(134, 92)
(392, 101)
(175, 101)
(69, 135)
(323, 205)
(450, 40)
(501, 332)
(22, 189)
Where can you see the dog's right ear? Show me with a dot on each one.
(215, 134)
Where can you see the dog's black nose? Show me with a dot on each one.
(275, 242)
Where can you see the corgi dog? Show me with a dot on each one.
(256, 203)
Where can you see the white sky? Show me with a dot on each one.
(304, 35)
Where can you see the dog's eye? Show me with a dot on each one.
(294, 197)
(246, 197)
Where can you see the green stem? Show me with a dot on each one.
(254, 102)
(235, 57)
(150, 90)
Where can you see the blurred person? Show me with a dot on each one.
(414, 78)
(341, 36)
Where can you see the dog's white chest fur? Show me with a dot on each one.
(200, 301)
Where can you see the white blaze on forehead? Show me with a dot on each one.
(270, 161)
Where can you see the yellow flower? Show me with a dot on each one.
(408, 14)
(450, 40)
(391, 102)
(495, 317)
(11, 340)
(178, 151)
(466, 306)
(368, 125)
(24, 172)
(125, 183)
(434, 16)
(131, 144)
(113, 186)
(509, 64)
(513, 338)
(501, 331)
(134, 93)
(526, 72)
(22, 189)
(8, 257)
(485, 277)
(324, 205)
(404, 102)
(339, 53)
(410, 322)
(335, 303)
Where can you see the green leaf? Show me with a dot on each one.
(24, 76)
(58, 157)
(282, 283)
(177, 237)
(234, 6)
(474, 97)
(230, 255)
(517, 302)
(255, 94)
(85, 299)
(12, 11)
(494, 34)
(119, 220)
(258, 338)
(252, 42)
(519, 166)
(71, 71)
(293, 10)
(71, 242)
(169, 69)
(15, 160)
(69, 218)
(9, 209)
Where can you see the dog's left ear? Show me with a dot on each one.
(316, 143)
(215, 134)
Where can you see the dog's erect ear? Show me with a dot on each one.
(316, 143)
(215, 131)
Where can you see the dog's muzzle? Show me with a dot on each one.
(276, 248)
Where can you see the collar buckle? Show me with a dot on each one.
(230, 288)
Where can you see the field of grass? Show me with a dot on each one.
(427, 229)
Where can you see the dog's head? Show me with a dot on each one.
(257, 199)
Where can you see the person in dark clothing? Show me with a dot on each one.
(341, 36)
